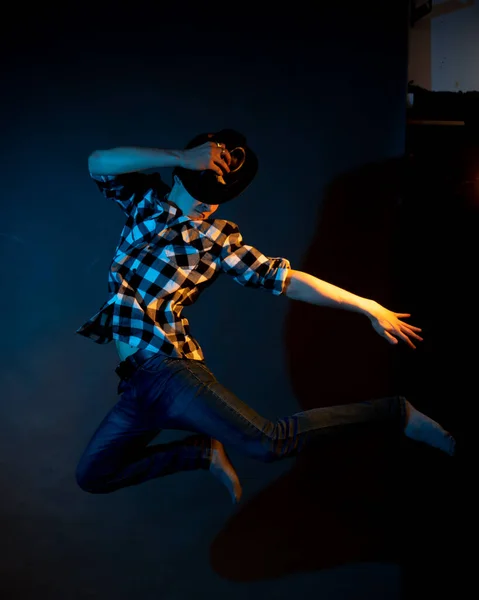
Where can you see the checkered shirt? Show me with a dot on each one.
(163, 262)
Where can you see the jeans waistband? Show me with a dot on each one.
(128, 366)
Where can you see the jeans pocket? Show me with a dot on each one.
(206, 369)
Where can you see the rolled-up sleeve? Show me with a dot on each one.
(249, 267)
(132, 191)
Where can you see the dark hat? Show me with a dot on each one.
(210, 188)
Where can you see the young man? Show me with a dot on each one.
(170, 250)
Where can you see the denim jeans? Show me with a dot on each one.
(159, 392)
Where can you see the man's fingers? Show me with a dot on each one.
(226, 156)
(218, 163)
(407, 340)
(408, 329)
(414, 335)
(219, 158)
(223, 165)
(391, 339)
(223, 158)
(409, 325)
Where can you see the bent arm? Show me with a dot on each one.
(310, 289)
(128, 159)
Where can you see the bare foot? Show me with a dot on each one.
(222, 468)
(421, 428)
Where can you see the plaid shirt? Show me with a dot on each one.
(163, 262)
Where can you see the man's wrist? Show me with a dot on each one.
(366, 307)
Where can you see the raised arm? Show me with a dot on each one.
(307, 288)
(128, 159)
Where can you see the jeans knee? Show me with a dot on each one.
(87, 483)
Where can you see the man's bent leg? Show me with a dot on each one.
(118, 454)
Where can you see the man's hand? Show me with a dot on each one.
(390, 326)
(207, 156)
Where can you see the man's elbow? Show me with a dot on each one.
(288, 289)
(96, 162)
(298, 285)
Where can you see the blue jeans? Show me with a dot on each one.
(159, 392)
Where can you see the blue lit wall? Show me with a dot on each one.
(321, 98)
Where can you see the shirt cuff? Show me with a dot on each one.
(280, 274)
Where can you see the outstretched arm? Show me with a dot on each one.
(128, 159)
(307, 288)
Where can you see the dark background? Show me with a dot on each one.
(346, 191)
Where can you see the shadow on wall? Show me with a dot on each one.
(337, 504)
